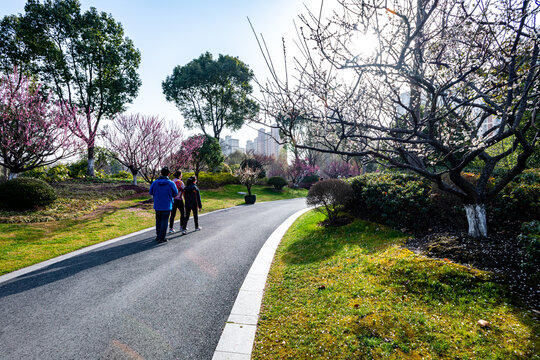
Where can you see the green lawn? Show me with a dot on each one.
(24, 244)
(354, 293)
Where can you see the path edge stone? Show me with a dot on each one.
(238, 336)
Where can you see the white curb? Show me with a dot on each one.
(236, 342)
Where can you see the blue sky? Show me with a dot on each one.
(170, 33)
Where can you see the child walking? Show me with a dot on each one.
(178, 203)
(192, 197)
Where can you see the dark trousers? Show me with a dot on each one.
(178, 204)
(195, 217)
(162, 220)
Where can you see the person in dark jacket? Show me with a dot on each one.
(192, 199)
(163, 190)
(178, 203)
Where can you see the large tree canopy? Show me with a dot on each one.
(83, 57)
(212, 93)
(446, 82)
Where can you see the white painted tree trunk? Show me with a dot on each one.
(476, 216)
(134, 179)
(91, 167)
(13, 176)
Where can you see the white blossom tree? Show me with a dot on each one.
(445, 83)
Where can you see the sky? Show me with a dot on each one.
(174, 32)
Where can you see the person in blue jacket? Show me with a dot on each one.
(163, 190)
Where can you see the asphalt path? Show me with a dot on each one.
(136, 299)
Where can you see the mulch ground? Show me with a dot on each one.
(500, 253)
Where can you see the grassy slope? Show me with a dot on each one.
(354, 293)
(24, 244)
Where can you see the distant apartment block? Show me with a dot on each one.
(266, 143)
(229, 145)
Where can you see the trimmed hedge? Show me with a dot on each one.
(208, 180)
(26, 193)
(398, 200)
(406, 200)
(277, 182)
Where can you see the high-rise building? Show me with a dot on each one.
(229, 145)
(250, 147)
(266, 143)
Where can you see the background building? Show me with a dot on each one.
(266, 143)
(229, 145)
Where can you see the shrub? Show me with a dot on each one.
(78, 169)
(518, 201)
(394, 199)
(122, 174)
(37, 173)
(308, 181)
(530, 239)
(26, 193)
(56, 173)
(331, 196)
(277, 182)
(213, 180)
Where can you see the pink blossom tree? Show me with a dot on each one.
(299, 170)
(337, 168)
(185, 156)
(33, 130)
(142, 143)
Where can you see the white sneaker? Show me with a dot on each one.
(171, 230)
(184, 232)
(198, 229)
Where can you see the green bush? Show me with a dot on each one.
(277, 182)
(56, 173)
(37, 173)
(530, 239)
(330, 196)
(208, 180)
(78, 169)
(394, 199)
(26, 193)
(308, 181)
(407, 200)
(124, 175)
(518, 201)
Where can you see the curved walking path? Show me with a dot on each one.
(130, 298)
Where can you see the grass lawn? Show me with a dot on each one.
(354, 293)
(88, 216)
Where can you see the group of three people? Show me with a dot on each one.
(170, 196)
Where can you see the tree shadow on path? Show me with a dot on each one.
(69, 267)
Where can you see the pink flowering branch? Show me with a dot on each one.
(33, 130)
(336, 169)
(142, 143)
(299, 170)
(185, 156)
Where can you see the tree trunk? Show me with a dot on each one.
(135, 179)
(476, 216)
(90, 170)
(13, 176)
